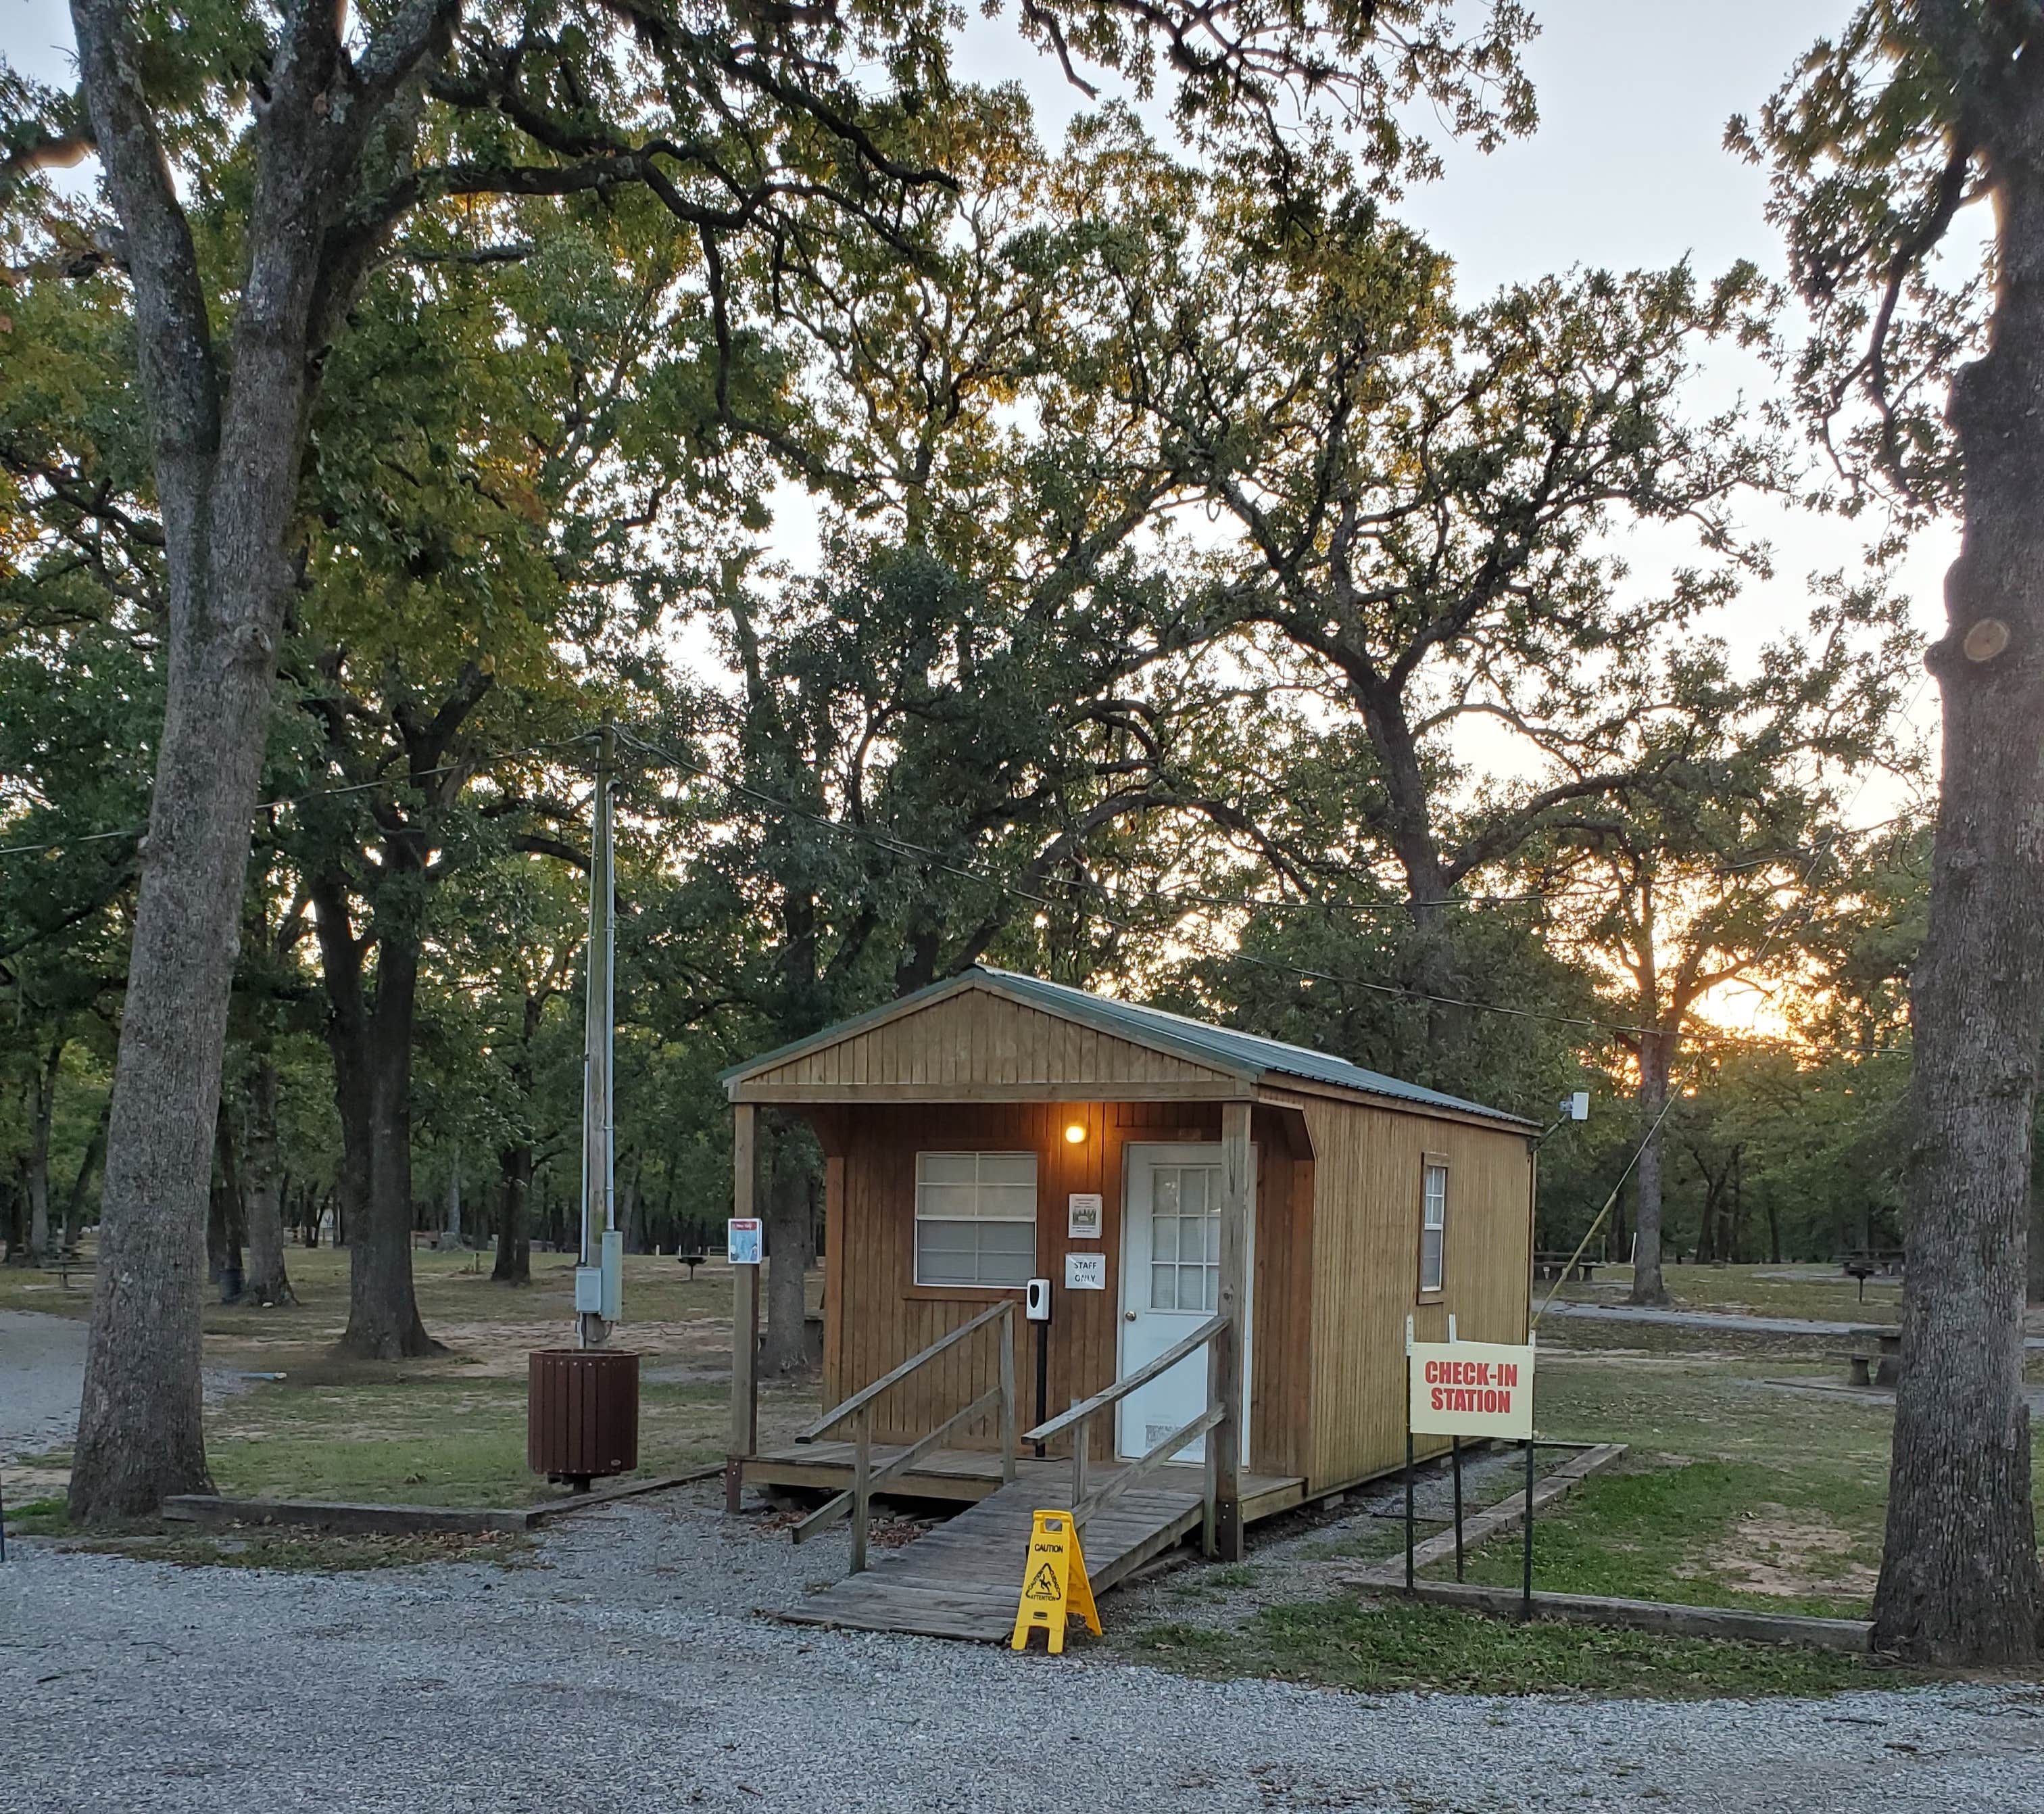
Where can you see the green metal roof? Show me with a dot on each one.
(1223, 1046)
(1248, 1055)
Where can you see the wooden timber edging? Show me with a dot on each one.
(318, 1515)
(412, 1520)
(1854, 1637)
(549, 1509)
(1508, 1514)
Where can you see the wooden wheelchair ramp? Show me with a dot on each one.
(962, 1579)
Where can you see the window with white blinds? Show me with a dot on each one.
(975, 1218)
(1434, 1227)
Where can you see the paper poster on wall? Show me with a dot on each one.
(1085, 1272)
(742, 1239)
(1084, 1210)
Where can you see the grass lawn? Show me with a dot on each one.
(1389, 1645)
(1736, 1491)
(1817, 1293)
(448, 1429)
(455, 1292)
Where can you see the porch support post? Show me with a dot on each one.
(745, 1318)
(1233, 1299)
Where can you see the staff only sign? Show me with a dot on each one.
(1472, 1388)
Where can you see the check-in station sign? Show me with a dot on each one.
(1472, 1388)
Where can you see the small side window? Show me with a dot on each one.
(1434, 1225)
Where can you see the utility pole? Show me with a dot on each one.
(598, 1277)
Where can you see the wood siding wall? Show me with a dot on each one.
(979, 1042)
(875, 1316)
(1368, 1164)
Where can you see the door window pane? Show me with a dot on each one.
(1184, 1237)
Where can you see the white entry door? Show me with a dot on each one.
(1170, 1284)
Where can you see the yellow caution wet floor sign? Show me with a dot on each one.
(1055, 1587)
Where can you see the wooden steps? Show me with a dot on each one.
(962, 1579)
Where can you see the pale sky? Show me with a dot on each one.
(1627, 170)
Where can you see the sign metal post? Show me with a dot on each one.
(1455, 1389)
(1409, 1534)
(1455, 1449)
(1526, 1602)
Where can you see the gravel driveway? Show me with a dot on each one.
(42, 1375)
(628, 1670)
(42, 1371)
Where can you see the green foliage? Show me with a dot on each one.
(633, 292)
(1875, 145)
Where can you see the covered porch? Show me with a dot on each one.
(940, 1388)
(981, 1152)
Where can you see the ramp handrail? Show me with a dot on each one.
(1081, 1415)
(866, 1480)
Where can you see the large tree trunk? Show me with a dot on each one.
(383, 1320)
(225, 1218)
(226, 471)
(451, 1223)
(372, 1045)
(1647, 1287)
(631, 1207)
(44, 1112)
(1959, 1578)
(140, 1436)
(514, 1230)
(81, 1185)
(225, 476)
(789, 1233)
(268, 1282)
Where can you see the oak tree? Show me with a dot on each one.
(1908, 156)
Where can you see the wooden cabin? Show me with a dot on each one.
(1166, 1176)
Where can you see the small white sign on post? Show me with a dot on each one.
(1083, 1213)
(743, 1238)
(1471, 1388)
(1085, 1272)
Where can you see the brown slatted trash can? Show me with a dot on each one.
(582, 1413)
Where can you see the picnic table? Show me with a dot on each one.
(65, 1262)
(1876, 1358)
(1556, 1266)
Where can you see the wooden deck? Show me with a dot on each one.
(962, 1579)
(963, 1476)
